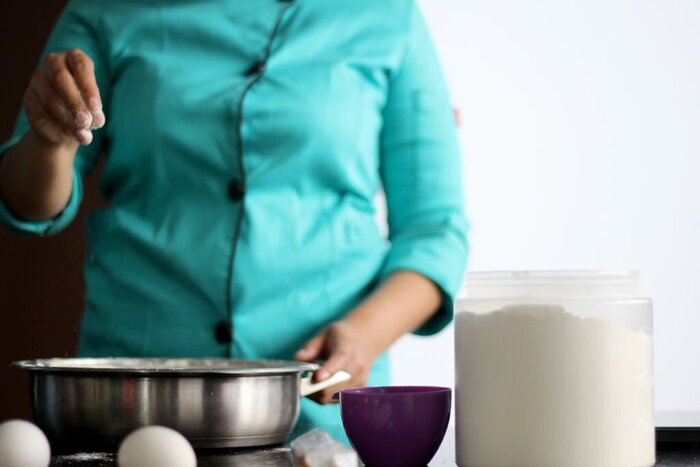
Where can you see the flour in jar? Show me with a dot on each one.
(539, 386)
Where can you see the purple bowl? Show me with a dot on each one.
(396, 425)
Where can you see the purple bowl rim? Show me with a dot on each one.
(372, 390)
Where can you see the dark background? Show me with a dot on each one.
(41, 279)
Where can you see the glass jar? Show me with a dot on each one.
(554, 369)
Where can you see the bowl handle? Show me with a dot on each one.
(306, 387)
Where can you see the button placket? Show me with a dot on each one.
(236, 189)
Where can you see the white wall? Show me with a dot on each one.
(581, 137)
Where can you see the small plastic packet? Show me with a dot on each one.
(318, 449)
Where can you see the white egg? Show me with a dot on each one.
(156, 446)
(23, 444)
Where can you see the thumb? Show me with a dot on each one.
(312, 349)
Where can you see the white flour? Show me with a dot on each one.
(538, 386)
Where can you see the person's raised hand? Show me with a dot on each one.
(343, 347)
(62, 101)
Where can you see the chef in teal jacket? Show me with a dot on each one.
(245, 143)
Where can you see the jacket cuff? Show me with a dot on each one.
(49, 226)
(445, 271)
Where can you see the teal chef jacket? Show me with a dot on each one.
(246, 141)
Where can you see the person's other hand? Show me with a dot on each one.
(344, 348)
(62, 101)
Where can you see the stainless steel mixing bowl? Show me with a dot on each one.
(214, 402)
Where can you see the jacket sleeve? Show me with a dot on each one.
(421, 172)
(77, 27)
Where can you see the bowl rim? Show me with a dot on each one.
(393, 391)
(149, 367)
